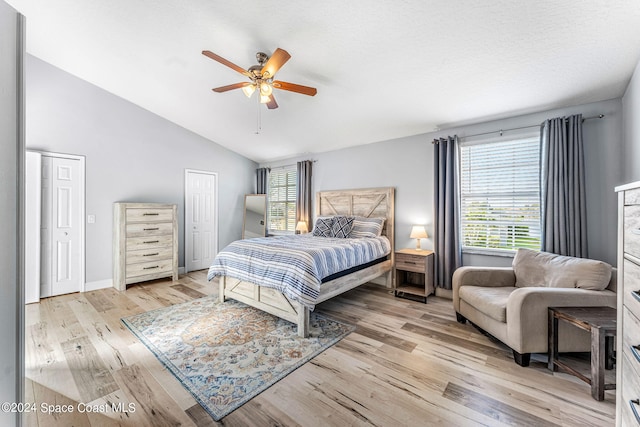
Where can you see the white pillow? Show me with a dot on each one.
(366, 227)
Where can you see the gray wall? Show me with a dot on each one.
(407, 165)
(131, 155)
(10, 147)
(631, 123)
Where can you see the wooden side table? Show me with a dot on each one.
(414, 273)
(601, 322)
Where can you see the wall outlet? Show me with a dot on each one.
(91, 219)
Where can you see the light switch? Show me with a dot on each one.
(91, 219)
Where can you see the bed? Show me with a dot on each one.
(364, 203)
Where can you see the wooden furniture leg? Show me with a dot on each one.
(609, 344)
(598, 356)
(553, 341)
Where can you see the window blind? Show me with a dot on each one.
(500, 194)
(282, 199)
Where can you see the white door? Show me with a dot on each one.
(62, 215)
(32, 212)
(201, 222)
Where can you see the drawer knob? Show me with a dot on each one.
(151, 229)
(634, 405)
(154, 254)
(636, 295)
(150, 214)
(636, 352)
(636, 231)
(152, 241)
(151, 268)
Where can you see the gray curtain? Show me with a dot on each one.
(564, 222)
(262, 175)
(304, 192)
(448, 252)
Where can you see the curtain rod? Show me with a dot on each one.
(435, 141)
(284, 166)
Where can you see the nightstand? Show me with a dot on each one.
(414, 273)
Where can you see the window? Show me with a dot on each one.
(282, 199)
(500, 194)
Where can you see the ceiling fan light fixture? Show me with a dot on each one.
(265, 89)
(261, 77)
(248, 90)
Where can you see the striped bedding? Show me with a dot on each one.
(295, 264)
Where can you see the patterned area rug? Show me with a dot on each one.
(225, 354)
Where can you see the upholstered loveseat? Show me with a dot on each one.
(511, 304)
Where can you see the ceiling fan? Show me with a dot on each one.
(262, 77)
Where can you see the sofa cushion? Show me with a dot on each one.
(490, 300)
(545, 269)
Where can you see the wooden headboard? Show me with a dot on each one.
(366, 202)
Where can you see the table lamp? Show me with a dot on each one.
(418, 232)
(301, 227)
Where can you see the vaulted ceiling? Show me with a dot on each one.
(383, 69)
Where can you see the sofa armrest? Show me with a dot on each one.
(480, 276)
(528, 315)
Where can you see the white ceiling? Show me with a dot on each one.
(383, 69)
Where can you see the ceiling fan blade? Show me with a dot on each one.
(292, 87)
(223, 61)
(274, 63)
(231, 87)
(272, 103)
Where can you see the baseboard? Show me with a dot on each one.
(98, 284)
(181, 270)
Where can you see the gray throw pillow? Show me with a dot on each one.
(322, 228)
(341, 226)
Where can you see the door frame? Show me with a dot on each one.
(83, 201)
(187, 239)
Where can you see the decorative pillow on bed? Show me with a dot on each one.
(322, 228)
(366, 227)
(342, 226)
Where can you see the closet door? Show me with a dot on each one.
(201, 227)
(62, 213)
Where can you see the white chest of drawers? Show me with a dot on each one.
(628, 348)
(145, 242)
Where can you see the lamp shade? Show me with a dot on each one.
(301, 226)
(418, 232)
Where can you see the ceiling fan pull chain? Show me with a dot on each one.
(258, 120)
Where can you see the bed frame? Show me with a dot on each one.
(368, 202)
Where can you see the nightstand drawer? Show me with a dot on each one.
(413, 273)
(411, 262)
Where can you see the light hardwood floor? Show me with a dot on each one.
(407, 363)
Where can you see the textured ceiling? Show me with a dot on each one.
(383, 69)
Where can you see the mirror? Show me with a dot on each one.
(255, 216)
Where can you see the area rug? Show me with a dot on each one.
(227, 353)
